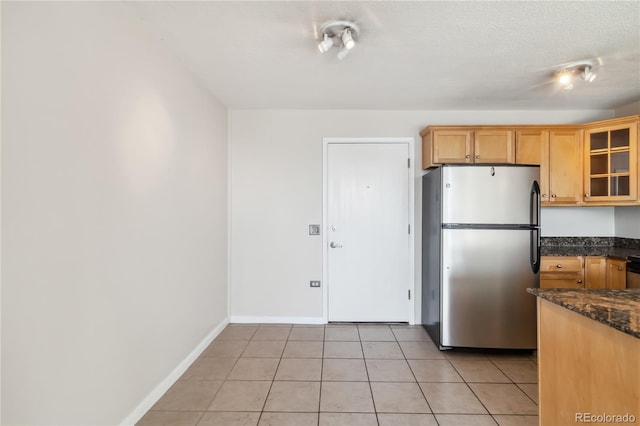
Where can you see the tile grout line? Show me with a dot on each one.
(512, 381)
(414, 376)
(324, 333)
(471, 389)
(274, 377)
(366, 369)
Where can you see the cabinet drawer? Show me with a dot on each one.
(561, 264)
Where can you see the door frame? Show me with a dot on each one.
(409, 141)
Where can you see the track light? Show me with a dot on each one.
(588, 75)
(343, 34)
(347, 39)
(325, 44)
(566, 75)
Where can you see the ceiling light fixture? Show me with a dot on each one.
(343, 34)
(565, 76)
(588, 75)
(325, 44)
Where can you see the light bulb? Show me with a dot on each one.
(565, 79)
(325, 44)
(347, 39)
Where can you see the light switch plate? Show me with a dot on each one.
(314, 229)
(314, 283)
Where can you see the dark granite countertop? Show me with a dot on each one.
(606, 251)
(619, 309)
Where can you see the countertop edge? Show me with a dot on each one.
(548, 294)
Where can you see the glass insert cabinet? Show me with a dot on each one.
(611, 163)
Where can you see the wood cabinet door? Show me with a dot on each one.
(452, 146)
(529, 145)
(610, 163)
(616, 273)
(564, 167)
(494, 146)
(595, 272)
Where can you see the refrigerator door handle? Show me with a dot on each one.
(534, 220)
(534, 204)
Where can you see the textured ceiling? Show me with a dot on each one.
(411, 54)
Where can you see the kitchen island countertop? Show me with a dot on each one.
(619, 309)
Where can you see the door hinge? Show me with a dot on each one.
(408, 163)
(409, 294)
(409, 229)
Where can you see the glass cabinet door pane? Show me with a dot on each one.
(619, 138)
(599, 187)
(619, 185)
(620, 162)
(599, 140)
(599, 164)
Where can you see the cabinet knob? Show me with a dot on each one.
(559, 266)
(553, 195)
(544, 195)
(620, 268)
(477, 156)
(579, 281)
(586, 195)
(467, 156)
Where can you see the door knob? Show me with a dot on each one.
(335, 245)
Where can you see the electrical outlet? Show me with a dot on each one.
(314, 283)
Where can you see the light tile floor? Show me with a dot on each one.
(345, 374)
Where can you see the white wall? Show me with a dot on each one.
(276, 192)
(578, 222)
(632, 108)
(114, 214)
(627, 221)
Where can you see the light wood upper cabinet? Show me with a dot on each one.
(494, 146)
(529, 143)
(451, 145)
(616, 273)
(561, 168)
(580, 164)
(611, 163)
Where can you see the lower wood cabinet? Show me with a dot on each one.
(562, 272)
(585, 367)
(616, 273)
(595, 272)
(582, 272)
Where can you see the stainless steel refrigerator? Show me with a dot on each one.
(480, 251)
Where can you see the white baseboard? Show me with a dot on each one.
(163, 386)
(243, 319)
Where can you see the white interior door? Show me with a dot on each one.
(368, 241)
